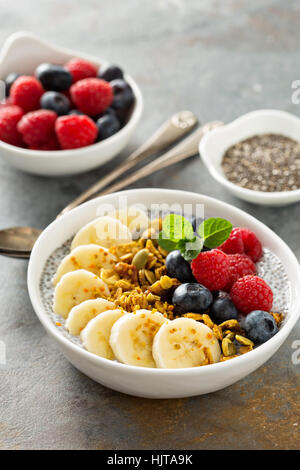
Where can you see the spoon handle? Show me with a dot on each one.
(174, 129)
(185, 149)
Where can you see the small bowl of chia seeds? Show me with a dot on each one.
(257, 157)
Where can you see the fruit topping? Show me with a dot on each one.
(260, 326)
(251, 293)
(191, 297)
(53, 77)
(75, 131)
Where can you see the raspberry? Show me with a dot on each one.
(91, 95)
(251, 293)
(239, 265)
(80, 69)
(234, 244)
(75, 131)
(252, 245)
(37, 127)
(9, 118)
(26, 92)
(211, 269)
(51, 144)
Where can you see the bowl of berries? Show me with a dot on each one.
(172, 294)
(64, 112)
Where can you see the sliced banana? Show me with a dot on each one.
(134, 218)
(182, 342)
(95, 336)
(132, 337)
(104, 231)
(74, 288)
(90, 257)
(81, 314)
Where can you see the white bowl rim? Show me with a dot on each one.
(263, 195)
(134, 118)
(48, 324)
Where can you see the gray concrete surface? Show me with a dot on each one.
(220, 59)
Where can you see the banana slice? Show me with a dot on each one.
(74, 288)
(95, 336)
(184, 342)
(89, 257)
(132, 337)
(105, 231)
(133, 217)
(81, 314)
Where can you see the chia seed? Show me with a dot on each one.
(268, 162)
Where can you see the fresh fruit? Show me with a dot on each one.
(74, 288)
(92, 95)
(211, 268)
(260, 326)
(133, 217)
(239, 266)
(251, 293)
(234, 244)
(76, 111)
(56, 102)
(26, 92)
(104, 231)
(75, 131)
(110, 72)
(123, 96)
(81, 314)
(252, 246)
(178, 267)
(9, 118)
(185, 343)
(80, 69)
(90, 257)
(53, 77)
(10, 79)
(51, 144)
(132, 337)
(107, 126)
(223, 309)
(37, 127)
(95, 336)
(191, 297)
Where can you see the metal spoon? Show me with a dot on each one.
(18, 241)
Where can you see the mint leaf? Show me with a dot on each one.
(165, 243)
(214, 231)
(190, 249)
(176, 227)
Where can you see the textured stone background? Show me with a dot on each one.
(219, 59)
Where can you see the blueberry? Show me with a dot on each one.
(109, 111)
(107, 125)
(196, 221)
(53, 77)
(56, 102)
(260, 326)
(123, 94)
(76, 111)
(110, 72)
(191, 297)
(223, 309)
(10, 79)
(178, 267)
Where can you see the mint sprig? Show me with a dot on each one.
(178, 234)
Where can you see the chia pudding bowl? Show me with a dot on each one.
(134, 294)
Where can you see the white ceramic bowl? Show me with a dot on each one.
(214, 144)
(159, 383)
(22, 53)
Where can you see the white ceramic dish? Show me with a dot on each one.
(22, 53)
(213, 146)
(160, 383)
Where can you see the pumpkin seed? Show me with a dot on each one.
(244, 341)
(140, 258)
(231, 325)
(228, 347)
(230, 335)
